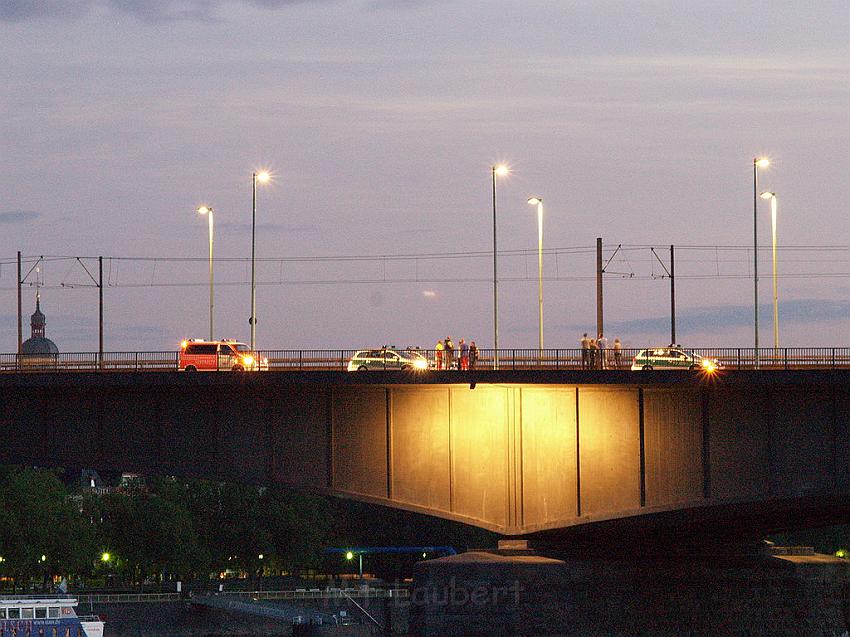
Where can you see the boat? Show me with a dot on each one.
(45, 616)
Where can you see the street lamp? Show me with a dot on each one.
(758, 162)
(499, 170)
(206, 210)
(772, 197)
(350, 556)
(537, 201)
(263, 177)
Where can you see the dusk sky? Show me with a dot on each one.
(636, 122)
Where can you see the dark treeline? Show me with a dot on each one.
(173, 528)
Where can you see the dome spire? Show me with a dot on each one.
(37, 320)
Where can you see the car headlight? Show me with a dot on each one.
(420, 364)
(709, 365)
(248, 360)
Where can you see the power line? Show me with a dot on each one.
(433, 280)
(433, 255)
(712, 263)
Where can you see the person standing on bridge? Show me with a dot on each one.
(464, 355)
(585, 351)
(438, 354)
(473, 355)
(449, 353)
(618, 353)
(602, 344)
(593, 350)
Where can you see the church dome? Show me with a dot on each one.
(39, 345)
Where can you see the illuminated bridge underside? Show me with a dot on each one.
(515, 457)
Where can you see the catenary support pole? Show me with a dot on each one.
(672, 297)
(495, 283)
(100, 312)
(253, 319)
(755, 261)
(20, 309)
(599, 325)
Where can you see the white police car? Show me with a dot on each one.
(387, 358)
(673, 358)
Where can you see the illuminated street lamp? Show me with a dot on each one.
(263, 177)
(758, 162)
(206, 210)
(350, 556)
(772, 197)
(539, 203)
(499, 170)
(105, 557)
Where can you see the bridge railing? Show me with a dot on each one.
(90, 361)
(740, 358)
(307, 359)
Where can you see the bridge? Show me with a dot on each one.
(732, 358)
(523, 453)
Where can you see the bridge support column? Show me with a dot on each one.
(495, 593)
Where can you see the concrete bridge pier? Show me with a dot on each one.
(521, 592)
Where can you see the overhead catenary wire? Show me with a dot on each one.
(431, 255)
(735, 259)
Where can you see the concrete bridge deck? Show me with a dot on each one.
(517, 452)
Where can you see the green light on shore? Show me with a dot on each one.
(105, 557)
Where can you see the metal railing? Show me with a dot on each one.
(299, 593)
(319, 593)
(740, 358)
(126, 598)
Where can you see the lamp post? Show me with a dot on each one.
(206, 210)
(539, 203)
(758, 162)
(262, 177)
(499, 170)
(772, 197)
(349, 555)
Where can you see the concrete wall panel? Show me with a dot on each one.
(420, 447)
(360, 440)
(739, 447)
(479, 424)
(298, 432)
(841, 436)
(47, 426)
(673, 445)
(244, 439)
(609, 447)
(189, 430)
(802, 441)
(548, 441)
(135, 448)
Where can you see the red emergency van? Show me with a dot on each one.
(198, 355)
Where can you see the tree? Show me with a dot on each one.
(41, 529)
(151, 536)
(299, 527)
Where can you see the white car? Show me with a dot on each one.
(387, 359)
(673, 358)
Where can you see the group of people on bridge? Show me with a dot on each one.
(595, 353)
(444, 354)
